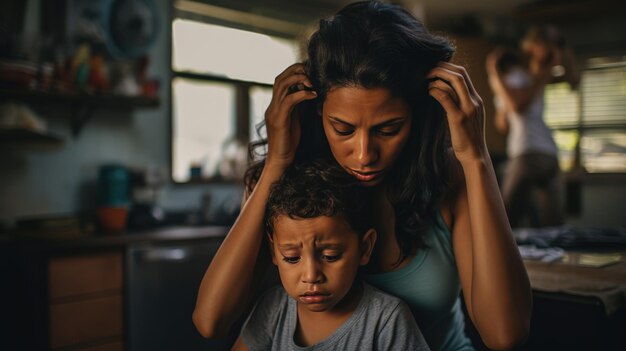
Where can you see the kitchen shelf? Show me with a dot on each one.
(29, 137)
(112, 101)
(81, 106)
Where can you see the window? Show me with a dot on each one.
(221, 85)
(589, 124)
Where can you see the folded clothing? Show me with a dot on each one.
(550, 254)
(565, 236)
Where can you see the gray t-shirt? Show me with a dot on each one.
(380, 322)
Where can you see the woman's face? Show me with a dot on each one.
(366, 129)
(539, 51)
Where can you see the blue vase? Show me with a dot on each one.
(114, 186)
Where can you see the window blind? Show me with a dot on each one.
(603, 93)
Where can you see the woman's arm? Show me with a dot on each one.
(226, 288)
(495, 82)
(501, 122)
(227, 285)
(495, 284)
(515, 98)
(239, 345)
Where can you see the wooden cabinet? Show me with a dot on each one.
(105, 292)
(86, 301)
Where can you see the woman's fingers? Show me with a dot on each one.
(457, 81)
(284, 100)
(283, 131)
(452, 88)
(445, 87)
(284, 87)
(283, 81)
(447, 101)
(293, 75)
(291, 100)
(296, 67)
(462, 71)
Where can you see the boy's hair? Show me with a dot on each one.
(315, 189)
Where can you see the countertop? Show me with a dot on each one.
(607, 283)
(110, 240)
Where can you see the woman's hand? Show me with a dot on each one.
(453, 89)
(283, 128)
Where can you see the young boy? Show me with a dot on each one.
(319, 235)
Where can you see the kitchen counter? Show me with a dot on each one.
(109, 240)
(606, 283)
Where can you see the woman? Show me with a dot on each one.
(532, 152)
(375, 96)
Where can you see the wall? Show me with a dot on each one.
(470, 53)
(602, 205)
(37, 182)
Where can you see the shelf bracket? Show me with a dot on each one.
(80, 116)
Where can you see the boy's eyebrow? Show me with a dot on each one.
(290, 246)
(327, 245)
(322, 245)
(392, 120)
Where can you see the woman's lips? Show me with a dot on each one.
(365, 176)
(314, 297)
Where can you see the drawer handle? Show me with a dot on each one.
(162, 255)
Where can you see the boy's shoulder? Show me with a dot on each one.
(268, 318)
(270, 305)
(276, 295)
(378, 297)
(383, 306)
(388, 321)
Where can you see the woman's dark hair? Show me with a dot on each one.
(508, 59)
(546, 34)
(314, 189)
(372, 44)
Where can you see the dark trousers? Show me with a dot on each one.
(529, 177)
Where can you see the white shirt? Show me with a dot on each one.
(527, 130)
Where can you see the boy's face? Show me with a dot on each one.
(318, 259)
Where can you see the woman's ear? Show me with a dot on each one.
(270, 245)
(367, 246)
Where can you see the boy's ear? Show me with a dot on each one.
(367, 246)
(270, 245)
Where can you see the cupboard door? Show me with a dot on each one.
(86, 320)
(85, 274)
(111, 346)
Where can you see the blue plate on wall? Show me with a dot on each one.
(131, 26)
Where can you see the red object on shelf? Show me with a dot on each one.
(113, 219)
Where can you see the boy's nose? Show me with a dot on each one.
(312, 273)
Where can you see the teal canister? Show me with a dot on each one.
(114, 186)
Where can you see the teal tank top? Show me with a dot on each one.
(430, 285)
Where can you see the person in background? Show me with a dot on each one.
(320, 233)
(377, 95)
(518, 82)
